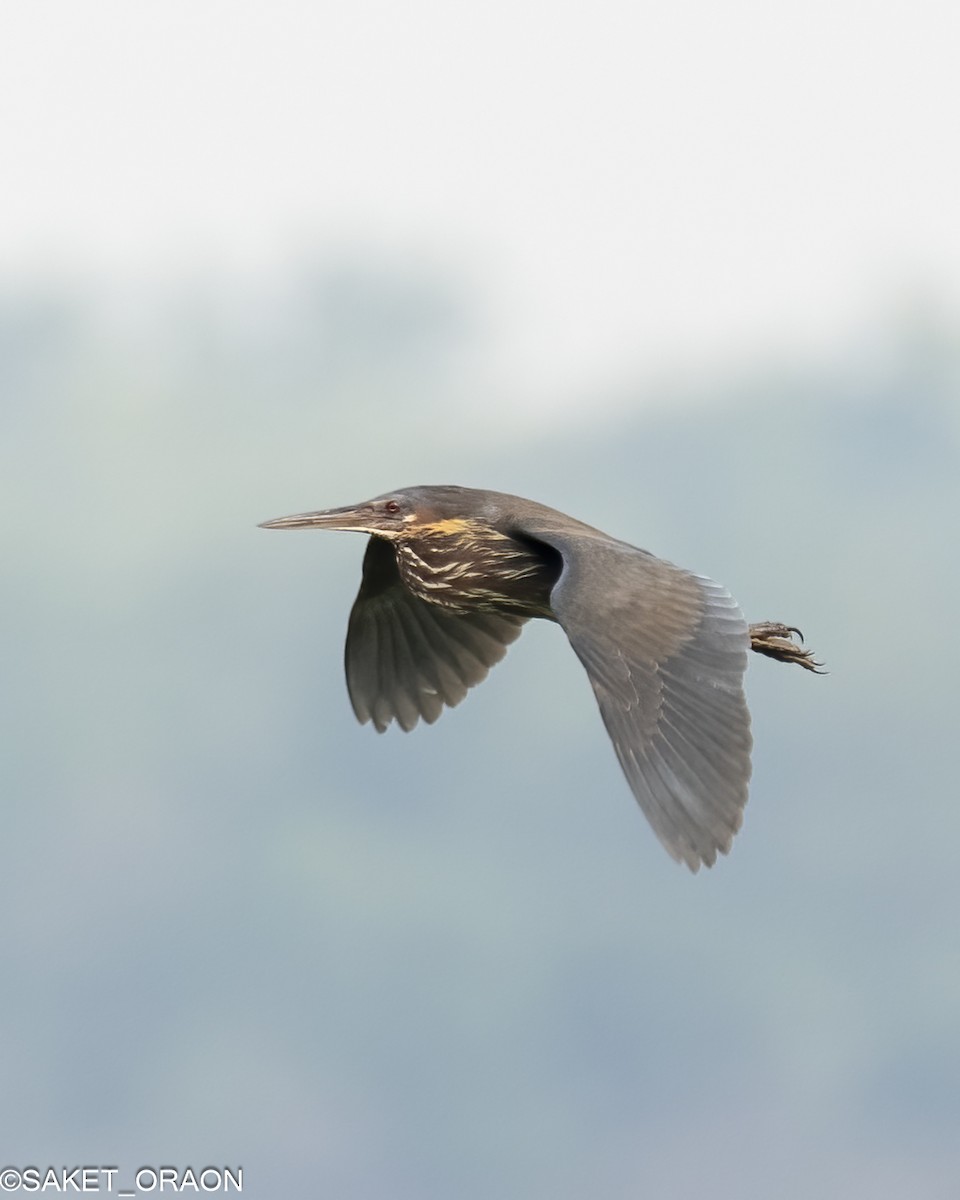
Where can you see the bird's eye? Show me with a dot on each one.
(392, 506)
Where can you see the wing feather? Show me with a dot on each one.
(405, 658)
(665, 652)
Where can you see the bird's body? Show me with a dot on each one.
(465, 568)
(451, 574)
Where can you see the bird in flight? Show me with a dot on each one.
(450, 576)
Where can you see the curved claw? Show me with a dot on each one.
(775, 640)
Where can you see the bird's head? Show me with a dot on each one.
(408, 513)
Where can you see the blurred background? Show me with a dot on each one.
(690, 273)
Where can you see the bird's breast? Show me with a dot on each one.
(484, 571)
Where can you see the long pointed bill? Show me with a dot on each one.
(358, 517)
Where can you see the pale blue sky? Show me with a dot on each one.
(622, 182)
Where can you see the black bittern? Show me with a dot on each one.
(451, 574)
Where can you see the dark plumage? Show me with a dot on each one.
(451, 574)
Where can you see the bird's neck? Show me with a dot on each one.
(465, 568)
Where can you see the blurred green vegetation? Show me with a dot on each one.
(239, 928)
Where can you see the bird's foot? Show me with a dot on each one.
(776, 640)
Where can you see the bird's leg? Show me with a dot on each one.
(776, 640)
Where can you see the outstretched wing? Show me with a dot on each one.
(405, 658)
(665, 652)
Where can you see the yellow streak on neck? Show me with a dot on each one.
(449, 527)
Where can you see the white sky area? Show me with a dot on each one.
(627, 183)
